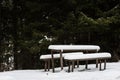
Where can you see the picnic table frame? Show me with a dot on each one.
(63, 48)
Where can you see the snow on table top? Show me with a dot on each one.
(74, 47)
(88, 56)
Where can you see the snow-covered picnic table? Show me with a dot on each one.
(63, 48)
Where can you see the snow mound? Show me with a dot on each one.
(6, 78)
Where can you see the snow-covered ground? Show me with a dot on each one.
(111, 73)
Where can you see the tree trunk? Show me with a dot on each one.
(89, 37)
(15, 56)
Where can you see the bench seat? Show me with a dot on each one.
(91, 56)
(47, 58)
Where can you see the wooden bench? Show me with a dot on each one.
(47, 58)
(93, 56)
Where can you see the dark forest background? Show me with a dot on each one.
(28, 27)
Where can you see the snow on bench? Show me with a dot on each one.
(94, 56)
(48, 57)
(88, 56)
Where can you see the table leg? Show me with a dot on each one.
(68, 66)
(61, 60)
(86, 64)
(45, 65)
(73, 66)
(96, 63)
(48, 65)
(77, 63)
(105, 64)
(100, 66)
(52, 61)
